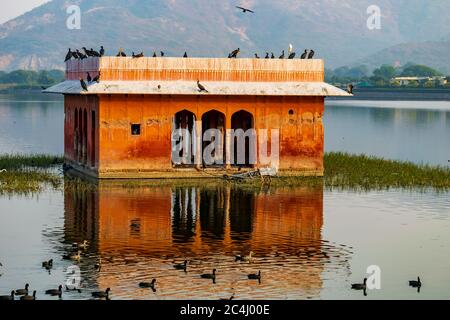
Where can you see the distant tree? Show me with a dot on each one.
(385, 72)
(420, 71)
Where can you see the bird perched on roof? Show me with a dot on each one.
(87, 52)
(185, 55)
(81, 55)
(311, 54)
(89, 78)
(304, 55)
(154, 54)
(68, 55)
(245, 10)
(234, 53)
(282, 55)
(291, 52)
(267, 56)
(272, 56)
(350, 88)
(83, 85)
(121, 53)
(139, 55)
(97, 78)
(94, 53)
(162, 53)
(201, 87)
(102, 51)
(256, 56)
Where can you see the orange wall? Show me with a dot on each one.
(301, 134)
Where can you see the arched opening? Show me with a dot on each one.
(213, 132)
(243, 139)
(85, 136)
(184, 139)
(76, 134)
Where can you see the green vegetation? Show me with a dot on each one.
(25, 79)
(383, 76)
(29, 174)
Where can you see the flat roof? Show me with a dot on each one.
(182, 87)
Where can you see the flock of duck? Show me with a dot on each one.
(24, 293)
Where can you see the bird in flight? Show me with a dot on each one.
(245, 10)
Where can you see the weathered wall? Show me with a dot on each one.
(301, 133)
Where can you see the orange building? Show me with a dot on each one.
(123, 126)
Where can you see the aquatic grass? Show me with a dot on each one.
(343, 170)
(19, 161)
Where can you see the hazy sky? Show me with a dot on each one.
(11, 9)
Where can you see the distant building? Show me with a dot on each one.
(404, 81)
(123, 126)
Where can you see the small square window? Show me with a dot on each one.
(135, 129)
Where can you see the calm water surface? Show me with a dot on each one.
(309, 243)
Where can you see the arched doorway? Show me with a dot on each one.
(243, 139)
(213, 149)
(184, 131)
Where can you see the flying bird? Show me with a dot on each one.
(245, 10)
(68, 55)
(83, 85)
(201, 87)
(311, 54)
(305, 54)
(234, 53)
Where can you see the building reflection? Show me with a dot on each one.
(127, 226)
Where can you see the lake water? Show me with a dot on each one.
(308, 242)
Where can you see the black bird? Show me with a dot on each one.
(121, 53)
(267, 56)
(75, 55)
(350, 88)
(282, 55)
(150, 285)
(292, 55)
(154, 55)
(185, 55)
(139, 55)
(102, 51)
(68, 55)
(22, 292)
(181, 266)
(256, 56)
(81, 55)
(311, 54)
(87, 52)
(201, 87)
(162, 54)
(94, 53)
(209, 275)
(8, 298)
(54, 292)
(29, 298)
(47, 264)
(305, 54)
(291, 52)
(83, 85)
(101, 294)
(254, 276)
(360, 286)
(234, 53)
(245, 10)
(272, 56)
(96, 79)
(415, 283)
(89, 78)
